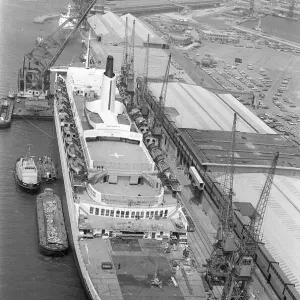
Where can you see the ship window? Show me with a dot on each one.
(102, 212)
(97, 211)
(117, 214)
(147, 214)
(122, 214)
(151, 214)
(132, 214)
(107, 213)
(112, 212)
(91, 210)
(127, 214)
(156, 213)
(142, 214)
(166, 212)
(161, 213)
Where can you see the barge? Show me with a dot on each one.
(6, 110)
(52, 232)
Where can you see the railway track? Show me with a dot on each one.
(199, 238)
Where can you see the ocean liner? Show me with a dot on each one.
(111, 181)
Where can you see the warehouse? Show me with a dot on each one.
(158, 59)
(281, 226)
(180, 40)
(201, 109)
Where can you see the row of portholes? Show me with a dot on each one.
(128, 214)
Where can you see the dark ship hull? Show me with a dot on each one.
(53, 239)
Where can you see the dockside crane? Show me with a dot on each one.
(291, 9)
(251, 7)
(239, 279)
(220, 262)
(146, 70)
(130, 74)
(124, 67)
(157, 130)
(34, 76)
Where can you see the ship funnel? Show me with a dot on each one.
(108, 88)
(109, 72)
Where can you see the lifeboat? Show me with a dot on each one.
(64, 118)
(73, 150)
(75, 165)
(163, 166)
(140, 121)
(157, 154)
(70, 130)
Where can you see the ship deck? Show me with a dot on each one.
(117, 153)
(126, 189)
(134, 263)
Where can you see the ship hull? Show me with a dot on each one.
(25, 186)
(71, 215)
(46, 248)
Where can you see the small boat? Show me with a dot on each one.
(46, 169)
(53, 240)
(75, 165)
(6, 110)
(26, 173)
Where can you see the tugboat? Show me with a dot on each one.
(26, 173)
(46, 169)
(53, 240)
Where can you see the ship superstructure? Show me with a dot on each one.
(69, 26)
(112, 183)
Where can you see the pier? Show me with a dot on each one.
(44, 18)
(29, 109)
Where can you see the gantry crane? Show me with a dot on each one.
(130, 73)
(219, 263)
(34, 76)
(146, 69)
(124, 67)
(239, 278)
(162, 99)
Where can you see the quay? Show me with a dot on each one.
(268, 36)
(40, 109)
(44, 18)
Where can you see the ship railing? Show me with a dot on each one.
(119, 167)
(131, 200)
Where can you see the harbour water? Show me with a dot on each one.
(276, 26)
(25, 274)
(279, 27)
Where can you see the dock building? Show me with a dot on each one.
(197, 128)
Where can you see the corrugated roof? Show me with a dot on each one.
(97, 25)
(202, 109)
(143, 30)
(250, 148)
(158, 59)
(281, 226)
